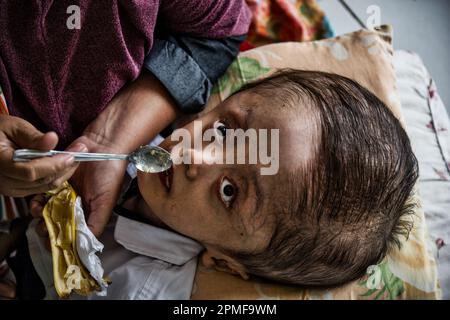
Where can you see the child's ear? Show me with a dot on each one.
(214, 259)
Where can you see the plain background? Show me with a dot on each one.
(422, 26)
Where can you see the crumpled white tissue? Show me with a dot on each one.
(87, 248)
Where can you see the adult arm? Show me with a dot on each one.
(135, 115)
(188, 66)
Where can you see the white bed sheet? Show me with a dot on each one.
(428, 126)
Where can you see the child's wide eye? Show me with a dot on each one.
(227, 191)
(220, 129)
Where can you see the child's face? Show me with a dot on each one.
(227, 205)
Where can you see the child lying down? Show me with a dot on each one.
(335, 207)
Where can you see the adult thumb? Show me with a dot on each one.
(46, 141)
(25, 135)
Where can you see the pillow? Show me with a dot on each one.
(364, 56)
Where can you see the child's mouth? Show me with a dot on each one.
(166, 178)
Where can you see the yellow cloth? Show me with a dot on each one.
(68, 271)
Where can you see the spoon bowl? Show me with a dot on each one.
(151, 159)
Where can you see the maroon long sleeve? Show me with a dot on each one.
(61, 79)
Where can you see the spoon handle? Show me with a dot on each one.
(22, 155)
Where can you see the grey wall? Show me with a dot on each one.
(422, 26)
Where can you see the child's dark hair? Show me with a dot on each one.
(350, 202)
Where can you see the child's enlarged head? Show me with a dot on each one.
(349, 202)
(334, 208)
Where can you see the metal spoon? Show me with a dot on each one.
(150, 159)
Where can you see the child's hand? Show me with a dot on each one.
(37, 205)
(10, 242)
(7, 288)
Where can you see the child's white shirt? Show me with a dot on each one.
(143, 261)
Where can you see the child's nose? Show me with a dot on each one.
(192, 159)
(192, 171)
(197, 161)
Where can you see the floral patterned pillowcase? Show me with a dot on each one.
(365, 56)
